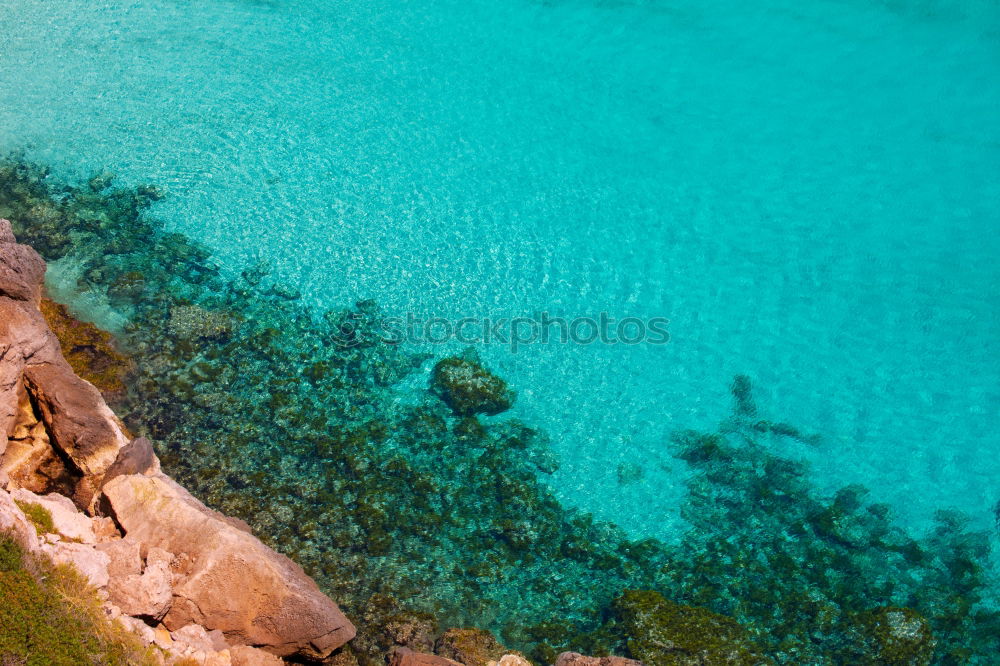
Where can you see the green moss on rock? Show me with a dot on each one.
(469, 388)
(665, 633)
(899, 636)
(472, 647)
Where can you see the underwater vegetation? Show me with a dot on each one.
(419, 516)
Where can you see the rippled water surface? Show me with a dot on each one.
(808, 191)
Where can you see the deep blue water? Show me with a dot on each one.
(808, 191)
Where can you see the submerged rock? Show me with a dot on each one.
(469, 388)
(899, 636)
(575, 659)
(665, 633)
(472, 647)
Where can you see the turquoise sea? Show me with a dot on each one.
(808, 191)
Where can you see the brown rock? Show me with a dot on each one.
(574, 659)
(136, 457)
(76, 419)
(6, 232)
(231, 581)
(79, 422)
(22, 270)
(406, 657)
(244, 655)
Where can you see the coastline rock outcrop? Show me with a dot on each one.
(42, 401)
(187, 579)
(228, 580)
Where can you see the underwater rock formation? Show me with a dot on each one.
(89, 350)
(469, 388)
(472, 647)
(663, 632)
(575, 659)
(899, 636)
(381, 491)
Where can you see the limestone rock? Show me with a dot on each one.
(67, 520)
(14, 522)
(511, 660)
(194, 637)
(79, 421)
(147, 594)
(575, 659)
(124, 559)
(406, 657)
(469, 388)
(228, 579)
(89, 561)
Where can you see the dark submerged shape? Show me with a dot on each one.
(418, 517)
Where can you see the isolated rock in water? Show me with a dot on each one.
(228, 580)
(406, 657)
(472, 647)
(899, 636)
(22, 270)
(574, 659)
(469, 388)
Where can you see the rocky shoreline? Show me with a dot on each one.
(194, 583)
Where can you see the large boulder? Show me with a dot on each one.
(80, 423)
(76, 421)
(225, 578)
(469, 388)
(22, 270)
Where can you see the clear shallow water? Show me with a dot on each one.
(809, 194)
